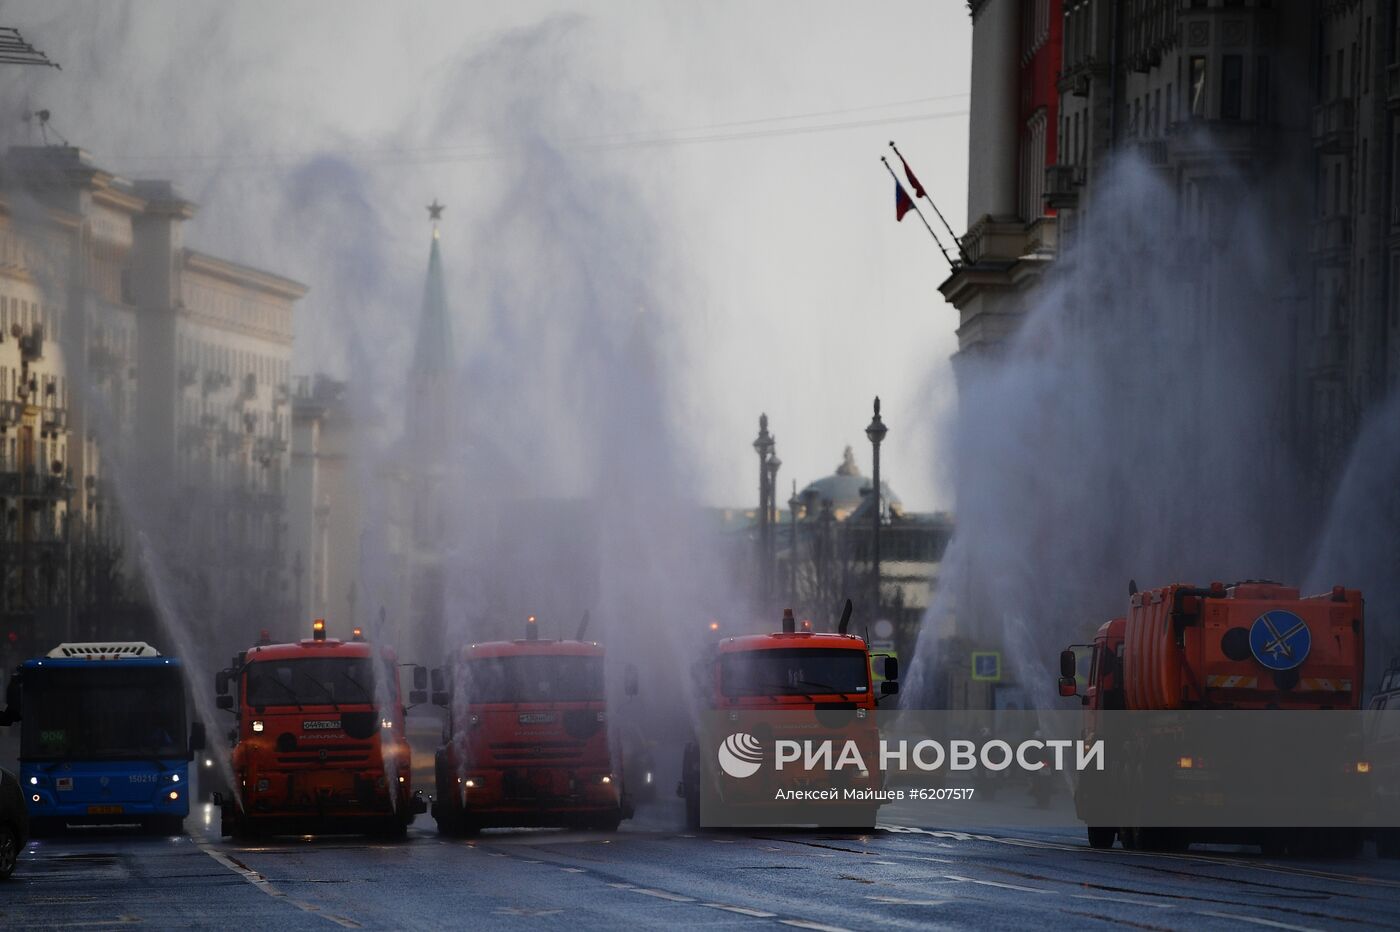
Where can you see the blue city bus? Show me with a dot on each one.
(104, 737)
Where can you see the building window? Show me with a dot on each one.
(1198, 87)
(1231, 86)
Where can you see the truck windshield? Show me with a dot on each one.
(794, 672)
(311, 681)
(103, 712)
(558, 678)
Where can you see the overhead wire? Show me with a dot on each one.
(426, 155)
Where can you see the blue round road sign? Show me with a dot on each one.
(1280, 640)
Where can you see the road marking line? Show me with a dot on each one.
(262, 883)
(574, 870)
(998, 883)
(1122, 899)
(742, 910)
(662, 895)
(1256, 920)
(808, 924)
(900, 901)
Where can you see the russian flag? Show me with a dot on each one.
(902, 203)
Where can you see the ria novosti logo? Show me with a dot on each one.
(740, 755)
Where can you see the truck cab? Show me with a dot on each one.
(526, 739)
(104, 737)
(794, 669)
(318, 742)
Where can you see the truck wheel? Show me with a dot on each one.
(1341, 843)
(1100, 837)
(692, 808)
(1156, 839)
(390, 830)
(9, 851)
(243, 830)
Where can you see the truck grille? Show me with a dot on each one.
(333, 754)
(513, 752)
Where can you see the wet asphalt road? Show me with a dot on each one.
(651, 874)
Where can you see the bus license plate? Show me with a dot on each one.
(104, 810)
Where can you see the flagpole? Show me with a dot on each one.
(947, 258)
(956, 242)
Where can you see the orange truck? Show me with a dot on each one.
(525, 740)
(1254, 645)
(795, 669)
(319, 742)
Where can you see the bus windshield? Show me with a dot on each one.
(794, 672)
(311, 681)
(105, 711)
(539, 678)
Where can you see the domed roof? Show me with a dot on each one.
(843, 489)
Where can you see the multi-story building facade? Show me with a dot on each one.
(1261, 203)
(134, 373)
(1012, 229)
(1206, 92)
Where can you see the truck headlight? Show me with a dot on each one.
(174, 795)
(258, 727)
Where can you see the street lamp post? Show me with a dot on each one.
(876, 432)
(793, 504)
(771, 555)
(826, 588)
(763, 446)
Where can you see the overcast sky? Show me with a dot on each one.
(753, 130)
